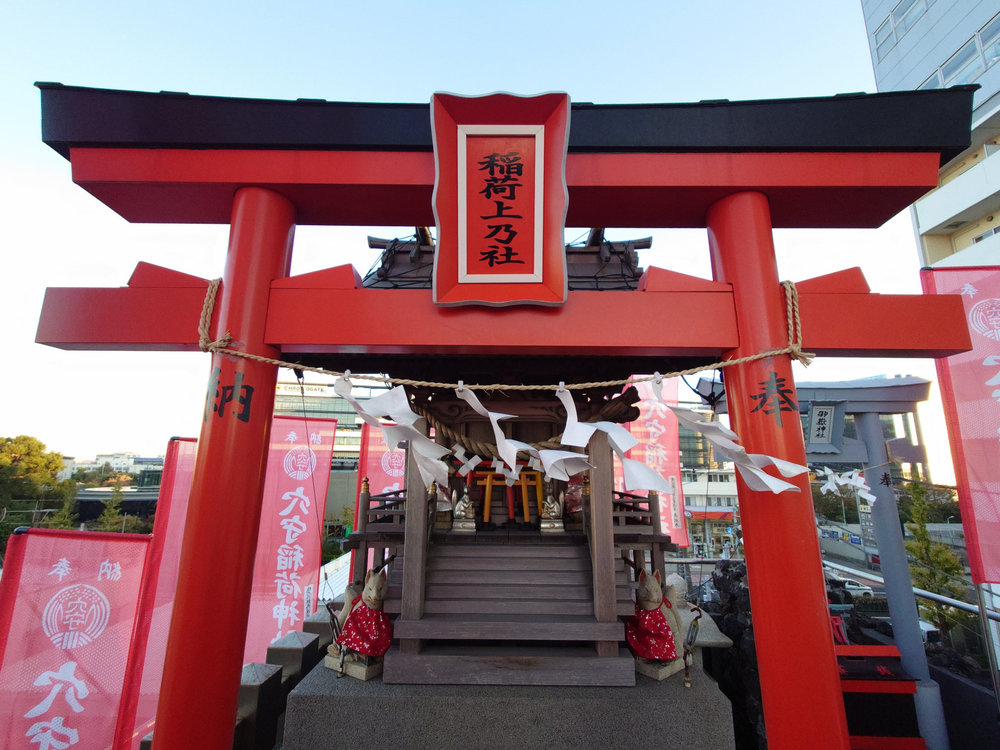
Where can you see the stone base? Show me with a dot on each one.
(551, 526)
(658, 670)
(356, 669)
(463, 526)
(479, 717)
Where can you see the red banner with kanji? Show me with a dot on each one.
(68, 605)
(142, 687)
(970, 388)
(289, 545)
(384, 468)
(657, 431)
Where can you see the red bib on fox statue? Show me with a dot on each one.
(367, 629)
(650, 633)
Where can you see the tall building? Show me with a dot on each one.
(922, 44)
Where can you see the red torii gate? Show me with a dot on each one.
(738, 169)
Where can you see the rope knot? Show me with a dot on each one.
(205, 342)
(794, 348)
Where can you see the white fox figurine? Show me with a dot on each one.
(462, 507)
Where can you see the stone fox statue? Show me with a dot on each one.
(650, 632)
(364, 627)
(462, 507)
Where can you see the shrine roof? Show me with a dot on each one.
(852, 160)
(892, 122)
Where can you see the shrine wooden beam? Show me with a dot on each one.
(385, 188)
(675, 317)
(851, 160)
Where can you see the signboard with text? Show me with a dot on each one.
(500, 198)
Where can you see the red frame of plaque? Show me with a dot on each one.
(500, 198)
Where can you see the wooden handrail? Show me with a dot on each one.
(360, 525)
(414, 544)
(602, 545)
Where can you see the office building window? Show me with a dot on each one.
(934, 82)
(884, 39)
(900, 20)
(985, 235)
(990, 39)
(905, 15)
(975, 56)
(963, 66)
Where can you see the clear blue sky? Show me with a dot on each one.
(82, 403)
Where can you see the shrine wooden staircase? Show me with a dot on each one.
(509, 614)
(505, 605)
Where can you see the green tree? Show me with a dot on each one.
(835, 507)
(942, 507)
(933, 566)
(28, 472)
(64, 518)
(112, 518)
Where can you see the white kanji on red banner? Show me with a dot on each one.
(286, 569)
(970, 389)
(65, 647)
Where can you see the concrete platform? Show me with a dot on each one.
(324, 712)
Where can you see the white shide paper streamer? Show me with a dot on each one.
(395, 405)
(749, 465)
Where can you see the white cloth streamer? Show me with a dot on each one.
(638, 476)
(395, 405)
(750, 465)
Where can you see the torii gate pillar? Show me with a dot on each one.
(800, 685)
(229, 471)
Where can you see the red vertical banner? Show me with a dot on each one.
(384, 468)
(658, 433)
(970, 388)
(142, 686)
(286, 567)
(68, 602)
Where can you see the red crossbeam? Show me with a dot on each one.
(344, 319)
(609, 190)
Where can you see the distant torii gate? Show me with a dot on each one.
(738, 169)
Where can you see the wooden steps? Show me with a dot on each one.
(483, 665)
(508, 614)
(505, 627)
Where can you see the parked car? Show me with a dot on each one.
(929, 633)
(856, 588)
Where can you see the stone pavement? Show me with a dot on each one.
(326, 712)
